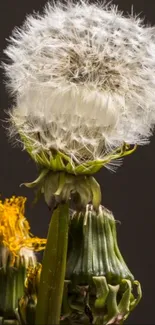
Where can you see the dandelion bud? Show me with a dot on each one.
(99, 286)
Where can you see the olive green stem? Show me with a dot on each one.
(53, 269)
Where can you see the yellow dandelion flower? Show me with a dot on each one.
(15, 229)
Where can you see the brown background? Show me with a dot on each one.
(129, 193)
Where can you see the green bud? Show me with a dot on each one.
(99, 285)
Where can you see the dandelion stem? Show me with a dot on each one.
(54, 268)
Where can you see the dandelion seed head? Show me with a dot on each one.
(83, 78)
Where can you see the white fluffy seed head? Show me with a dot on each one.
(83, 80)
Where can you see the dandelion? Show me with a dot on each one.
(17, 247)
(82, 80)
(15, 236)
(99, 288)
(82, 77)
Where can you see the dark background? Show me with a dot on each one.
(129, 193)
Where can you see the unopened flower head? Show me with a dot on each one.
(15, 233)
(83, 80)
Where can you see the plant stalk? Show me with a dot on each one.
(53, 269)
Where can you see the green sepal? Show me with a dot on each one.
(60, 187)
(102, 291)
(59, 161)
(96, 193)
(37, 181)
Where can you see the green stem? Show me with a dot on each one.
(53, 270)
